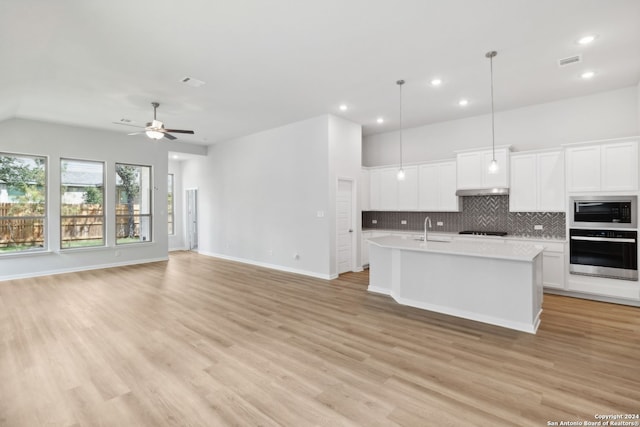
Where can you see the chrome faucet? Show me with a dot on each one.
(426, 220)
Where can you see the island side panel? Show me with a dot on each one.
(495, 291)
(380, 269)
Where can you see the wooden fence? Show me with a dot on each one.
(79, 222)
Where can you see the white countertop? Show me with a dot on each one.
(455, 234)
(514, 251)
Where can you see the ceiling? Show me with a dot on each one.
(269, 63)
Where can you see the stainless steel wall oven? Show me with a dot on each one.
(604, 253)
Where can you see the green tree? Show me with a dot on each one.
(129, 176)
(92, 196)
(20, 174)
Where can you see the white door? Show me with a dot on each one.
(192, 219)
(344, 225)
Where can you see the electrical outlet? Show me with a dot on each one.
(403, 222)
(439, 223)
(538, 227)
(374, 221)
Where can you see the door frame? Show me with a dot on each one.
(187, 225)
(354, 212)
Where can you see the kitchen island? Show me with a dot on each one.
(496, 283)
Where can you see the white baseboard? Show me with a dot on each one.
(182, 248)
(377, 290)
(77, 269)
(271, 266)
(478, 317)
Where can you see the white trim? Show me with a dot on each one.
(378, 290)
(600, 141)
(84, 268)
(181, 248)
(270, 266)
(520, 326)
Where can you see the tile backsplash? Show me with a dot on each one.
(482, 213)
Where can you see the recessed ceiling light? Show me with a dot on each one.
(436, 82)
(463, 102)
(587, 75)
(380, 120)
(343, 107)
(586, 39)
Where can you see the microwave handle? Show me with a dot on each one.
(602, 239)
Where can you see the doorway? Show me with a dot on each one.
(344, 225)
(192, 219)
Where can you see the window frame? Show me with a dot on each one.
(44, 217)
(139, 215)
(104, 209)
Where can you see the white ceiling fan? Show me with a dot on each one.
(155, 129)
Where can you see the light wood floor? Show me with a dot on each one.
(199, 341)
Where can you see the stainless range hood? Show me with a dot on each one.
(499, 191)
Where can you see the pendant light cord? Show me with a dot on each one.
(493, 131)
(400, 83)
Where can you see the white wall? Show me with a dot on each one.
(604, 115)
(345, 154)
(259, 196)
(177, 240)
(638, 107)
(56, 141)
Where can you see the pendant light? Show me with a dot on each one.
(493, 166)
(401, 170)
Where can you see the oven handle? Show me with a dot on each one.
(602, 239)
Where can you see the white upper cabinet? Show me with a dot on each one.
(583, 168)
(437, 187)
(619, 166)
(408, 189)
(365, 191)
(523, 190)
(374, 189)
(473, 169)
(537, 182)
(603, 167)
(389, 189)
(551, 181)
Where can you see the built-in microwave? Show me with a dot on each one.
(604, 212)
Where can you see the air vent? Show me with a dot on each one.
(190, 81)
(125, 120)
(569, 60)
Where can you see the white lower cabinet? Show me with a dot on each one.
(553, 265)
(553, 260)
(364, 244)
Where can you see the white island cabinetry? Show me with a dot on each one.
(500, 284)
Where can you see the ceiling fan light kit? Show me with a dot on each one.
(155, 129)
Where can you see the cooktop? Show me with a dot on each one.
(484, 233)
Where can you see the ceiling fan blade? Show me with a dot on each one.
(127, 124)
(136, 133)
(169, 136)
(179, 131)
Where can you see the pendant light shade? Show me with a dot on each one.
(493, 166)
(401, 170)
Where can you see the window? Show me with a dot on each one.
(170, 205)
(23, 198)
(133, 203)
(81, 203)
